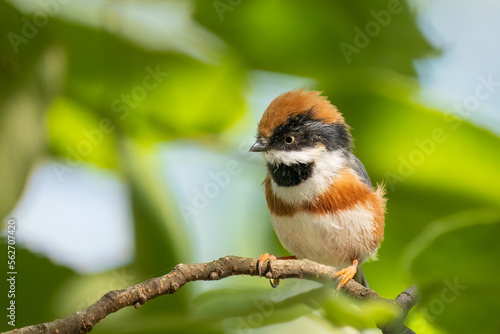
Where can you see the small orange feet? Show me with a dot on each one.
(347, 274)
(262, 259)
(270, 259)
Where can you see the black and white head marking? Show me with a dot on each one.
(303, 146)
(303, 131)
(293, 175)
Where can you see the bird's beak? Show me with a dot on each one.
(259, 146)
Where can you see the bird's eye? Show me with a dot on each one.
(289, 139)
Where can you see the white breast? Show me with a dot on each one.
(334, 239)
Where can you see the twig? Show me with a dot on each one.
(84, 321)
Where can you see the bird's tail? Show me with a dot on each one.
(361, 278)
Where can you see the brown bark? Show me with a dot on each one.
(84, 321)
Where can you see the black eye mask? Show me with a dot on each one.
(308, 132)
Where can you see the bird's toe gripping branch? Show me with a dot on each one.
(266, 257)
(261, 264)
(347, 274)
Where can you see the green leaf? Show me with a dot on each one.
(30, 75)
(79, 135)
(37, 282)
(306, 39)
(344, 311)
(252, 308)
(455, 262)
(21, 143)
(151, 96)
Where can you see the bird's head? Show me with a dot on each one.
(297, 126)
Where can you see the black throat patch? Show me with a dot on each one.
(288, 176)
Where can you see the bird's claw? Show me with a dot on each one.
(275, 282)
(266, 257)
(347, 274)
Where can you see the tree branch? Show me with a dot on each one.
(84, 321)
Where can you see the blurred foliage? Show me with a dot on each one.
(28, 82)
(359, 314)
(100, 85)
(40, 281)
(458, 288)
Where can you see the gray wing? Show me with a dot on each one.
(357, 166)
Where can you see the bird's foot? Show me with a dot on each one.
(266, 257)
(262, 260)
(347, 274)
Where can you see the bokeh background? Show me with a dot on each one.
(124, 136)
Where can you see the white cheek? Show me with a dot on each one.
(327, 165)
(288, 158)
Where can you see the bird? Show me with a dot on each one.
(322, 204)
